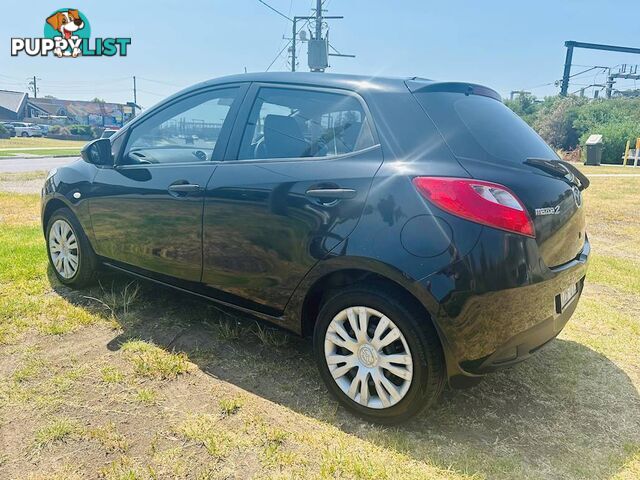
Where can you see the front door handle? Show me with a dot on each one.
(184, 188)
(331, 193)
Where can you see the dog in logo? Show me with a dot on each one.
(67, 23)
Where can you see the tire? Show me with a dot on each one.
(425, 376)
(60, 244)
(24, 134)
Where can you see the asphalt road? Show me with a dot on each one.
(10, 165)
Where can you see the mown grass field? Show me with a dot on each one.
(15, 146)
(129, 381)
(38, 142)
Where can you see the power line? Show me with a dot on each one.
(318, 46)
(587, 70)
(273, 9)
(286, 45)
(83, 83)
(278, 55)
(555, 82)
(151, 93)
(161, 82)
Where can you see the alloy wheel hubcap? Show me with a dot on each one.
(368, 357)
(63, 247)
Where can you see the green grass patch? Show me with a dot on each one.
(109, 437)
(204, 430)
(620, 273)
(124, 469)
(230, 406)
(146, 396)
(56, 431)
(44, 152)
(151, 361)
(29, 371)
(39, 142)
(24, 278)
(111, 374)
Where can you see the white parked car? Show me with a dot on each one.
(27, 129)
(109, 132)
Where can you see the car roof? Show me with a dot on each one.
(364, 84)
(358, 83)
(332, 80)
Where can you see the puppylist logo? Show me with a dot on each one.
(67, 33)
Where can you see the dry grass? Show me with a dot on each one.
(127, 381)
(57, 430)
(151, 361)
(608, 169)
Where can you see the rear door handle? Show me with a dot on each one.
(331, 193)
(184, 188)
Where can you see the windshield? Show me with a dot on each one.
(482, 128)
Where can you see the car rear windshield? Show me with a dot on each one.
(482, 128)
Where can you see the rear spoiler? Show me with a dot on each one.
(424, 86)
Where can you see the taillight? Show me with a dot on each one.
(482, 202)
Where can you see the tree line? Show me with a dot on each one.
(565, 123)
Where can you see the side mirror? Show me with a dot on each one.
(98, 152)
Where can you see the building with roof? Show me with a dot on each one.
(99, 114)
(12, 105)
(18, 106)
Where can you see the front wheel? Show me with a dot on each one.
(378, 355)
(72, 258)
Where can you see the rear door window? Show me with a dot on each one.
(295, 123)
(480, 127)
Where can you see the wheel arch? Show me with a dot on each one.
(50, 208)
(305, 306)
(302, 311)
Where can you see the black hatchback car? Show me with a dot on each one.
(418, 231)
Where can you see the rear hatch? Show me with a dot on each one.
(492, 143)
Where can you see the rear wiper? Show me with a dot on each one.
(560, 169)
(582, 178)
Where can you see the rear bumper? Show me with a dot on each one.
(521, 346)
(500, 304)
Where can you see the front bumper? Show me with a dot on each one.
(499, 304)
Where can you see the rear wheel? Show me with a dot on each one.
(24, 134)
(74, 262)
(379, 357)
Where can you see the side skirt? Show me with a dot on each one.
(276, 320)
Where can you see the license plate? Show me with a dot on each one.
(567, 295)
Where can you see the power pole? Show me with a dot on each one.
(294, 33)
(319, 19)
(318, 49)
(566, 75)
(610, 83)
(135, 96)
(33, 86)
(294, 39)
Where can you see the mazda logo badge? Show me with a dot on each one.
(577, 196)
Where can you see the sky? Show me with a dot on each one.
(506, 45)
